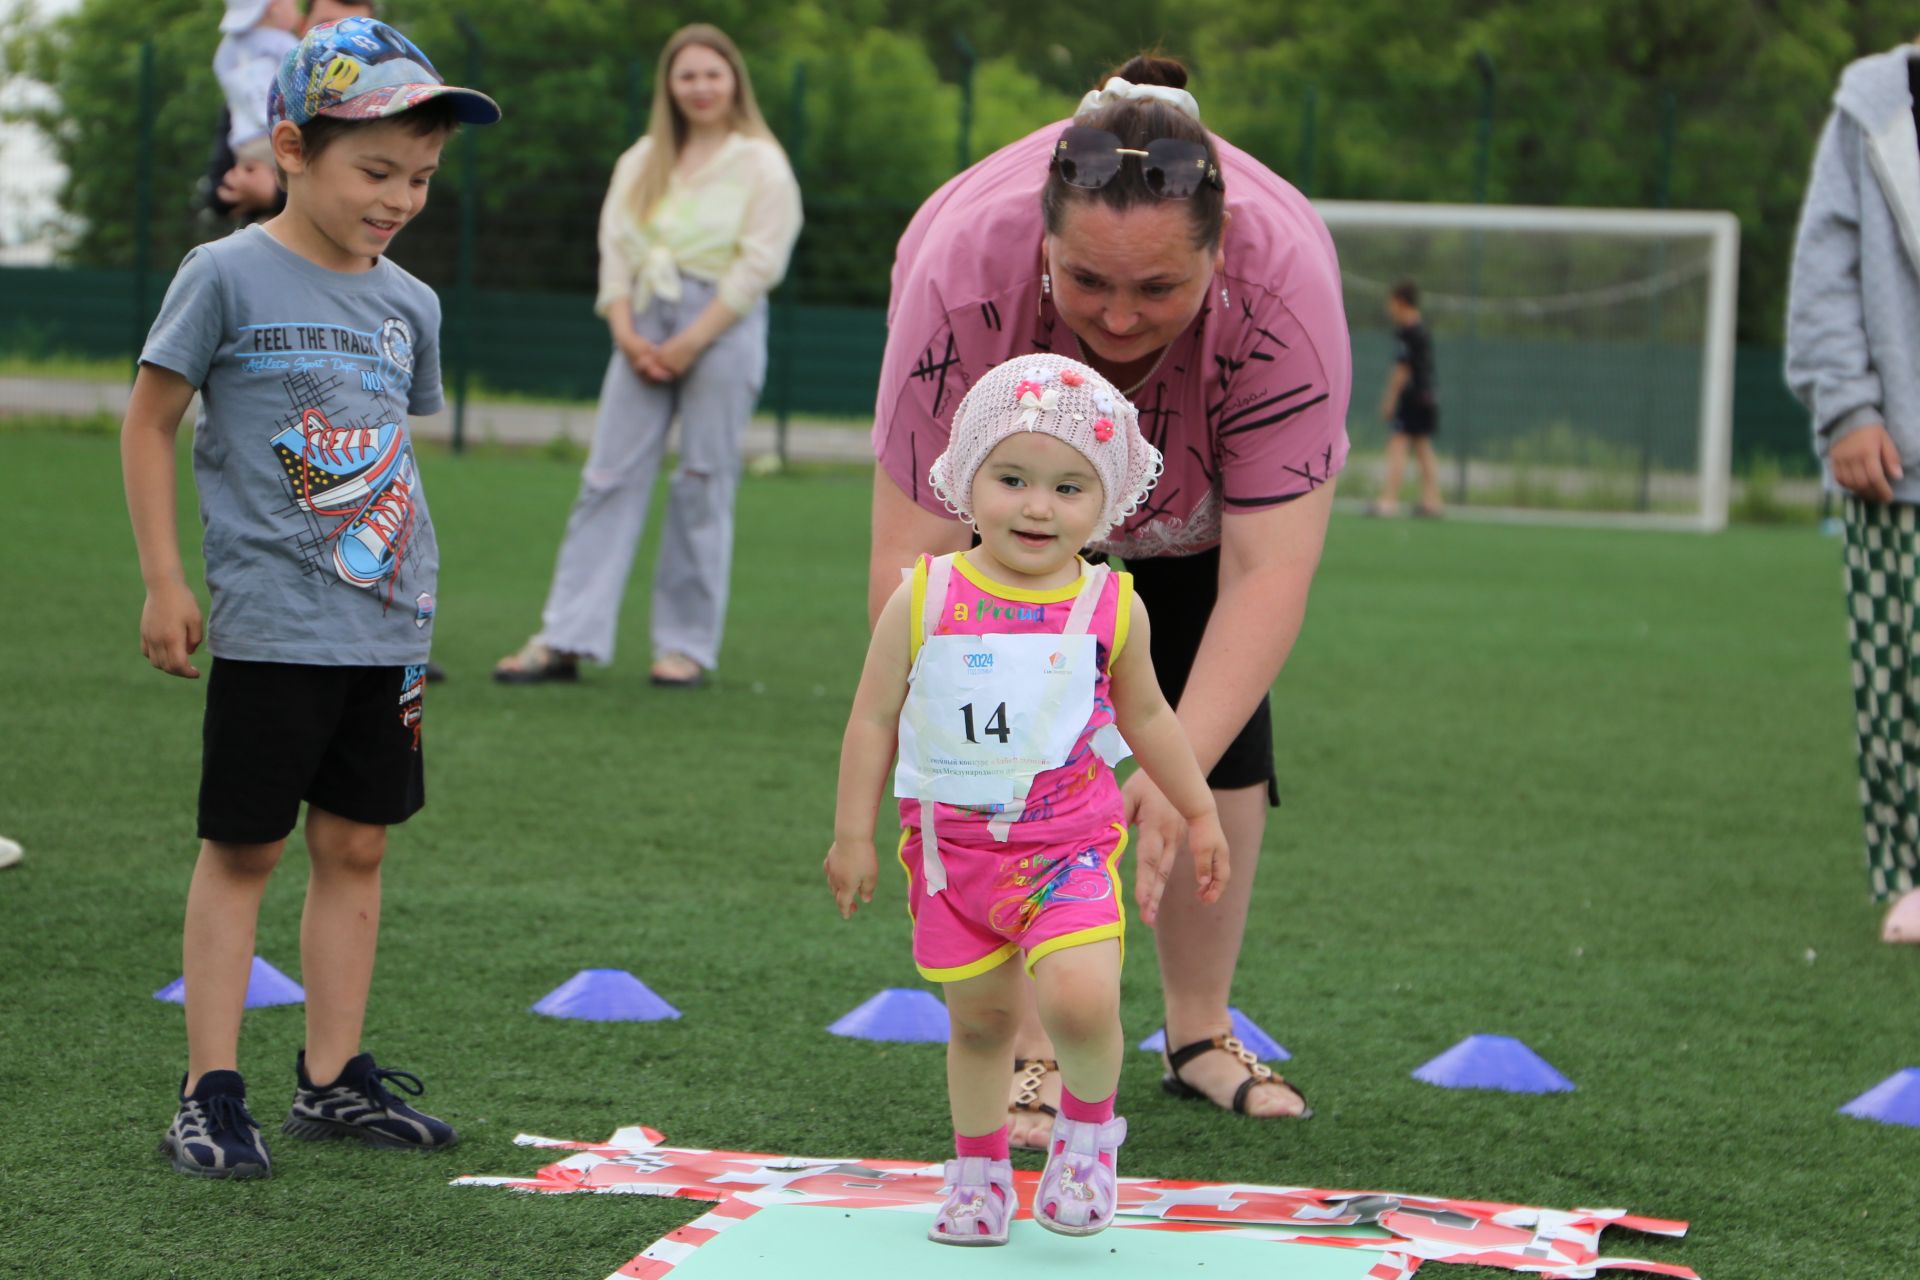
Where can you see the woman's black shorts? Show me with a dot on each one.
(1179, 593)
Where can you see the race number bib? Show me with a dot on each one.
(987, 714)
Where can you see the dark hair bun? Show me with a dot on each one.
(1150, 68)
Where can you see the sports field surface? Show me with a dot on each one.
(1591, 789)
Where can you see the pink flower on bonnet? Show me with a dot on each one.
(1061, 398)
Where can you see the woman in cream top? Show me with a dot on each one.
(699, 221)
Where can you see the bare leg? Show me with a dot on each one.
(338, 931)
(1079, 1000)
(980, 1014)
(1903, 919)
(1389, 500)
(1199, 946)
(1429, 474)
(223, 908)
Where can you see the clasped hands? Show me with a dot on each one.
(658, 361)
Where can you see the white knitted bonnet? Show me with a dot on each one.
(1064, 399)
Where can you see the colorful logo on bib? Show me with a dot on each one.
(1057, 662)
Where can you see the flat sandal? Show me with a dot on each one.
(1258, 1073)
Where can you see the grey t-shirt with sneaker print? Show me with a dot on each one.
(318, 545)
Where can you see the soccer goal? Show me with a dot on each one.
(1583, 357)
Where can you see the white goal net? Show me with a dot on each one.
(1583, 357)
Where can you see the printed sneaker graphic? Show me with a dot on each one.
(368, 546)
(337, 468)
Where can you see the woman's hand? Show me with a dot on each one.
(636, 349)
(672, 358)
(1158, 829)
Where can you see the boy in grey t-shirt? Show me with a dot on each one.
(309, 350)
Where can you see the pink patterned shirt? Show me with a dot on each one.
(1250, 405)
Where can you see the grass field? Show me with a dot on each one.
(1590, 789)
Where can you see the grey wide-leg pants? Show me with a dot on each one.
(713, 401)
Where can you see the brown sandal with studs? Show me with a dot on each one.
(1028, 1074)
(1258, 1073)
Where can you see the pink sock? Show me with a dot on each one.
(1073, 1108)
(991, 1145)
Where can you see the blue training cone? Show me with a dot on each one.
(1493, 1062)
(1895, 1100)
(904, 1014)
(265, 985)
(1259, 1043)
(605, 995)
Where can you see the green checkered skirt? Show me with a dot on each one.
(1883, 629)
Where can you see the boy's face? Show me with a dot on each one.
(359, 191)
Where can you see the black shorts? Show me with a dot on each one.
(344, 738)
(1179, 594)
(1416, 419)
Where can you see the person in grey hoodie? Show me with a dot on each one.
(1853, 358)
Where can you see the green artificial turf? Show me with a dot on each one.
(1591, 789)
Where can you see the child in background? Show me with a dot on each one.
(1410, 404)
(255, 35)
(309, 350)
(1005, 676)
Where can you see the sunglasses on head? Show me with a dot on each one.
(1174, 168)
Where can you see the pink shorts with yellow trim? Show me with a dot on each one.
(1035, 896)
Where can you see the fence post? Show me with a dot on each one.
(463, 325)
(964, 146)
(1650, 380)
(783, 308)
(1482, 166)
(1309, 140)
(143, 203)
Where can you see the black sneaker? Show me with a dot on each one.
(358, 1105)
(212, 1135)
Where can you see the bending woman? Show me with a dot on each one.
(698, 224)
(1206, 289)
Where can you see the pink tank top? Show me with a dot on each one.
(1080, 796)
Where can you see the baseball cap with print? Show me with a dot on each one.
(362, 69)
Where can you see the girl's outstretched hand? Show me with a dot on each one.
(1209, 845)
(1157, 829)
(852, 867)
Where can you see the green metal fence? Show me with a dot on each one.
(512, 254)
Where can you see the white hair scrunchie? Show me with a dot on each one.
(1119, 90)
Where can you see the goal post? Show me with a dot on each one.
(1584, 357)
